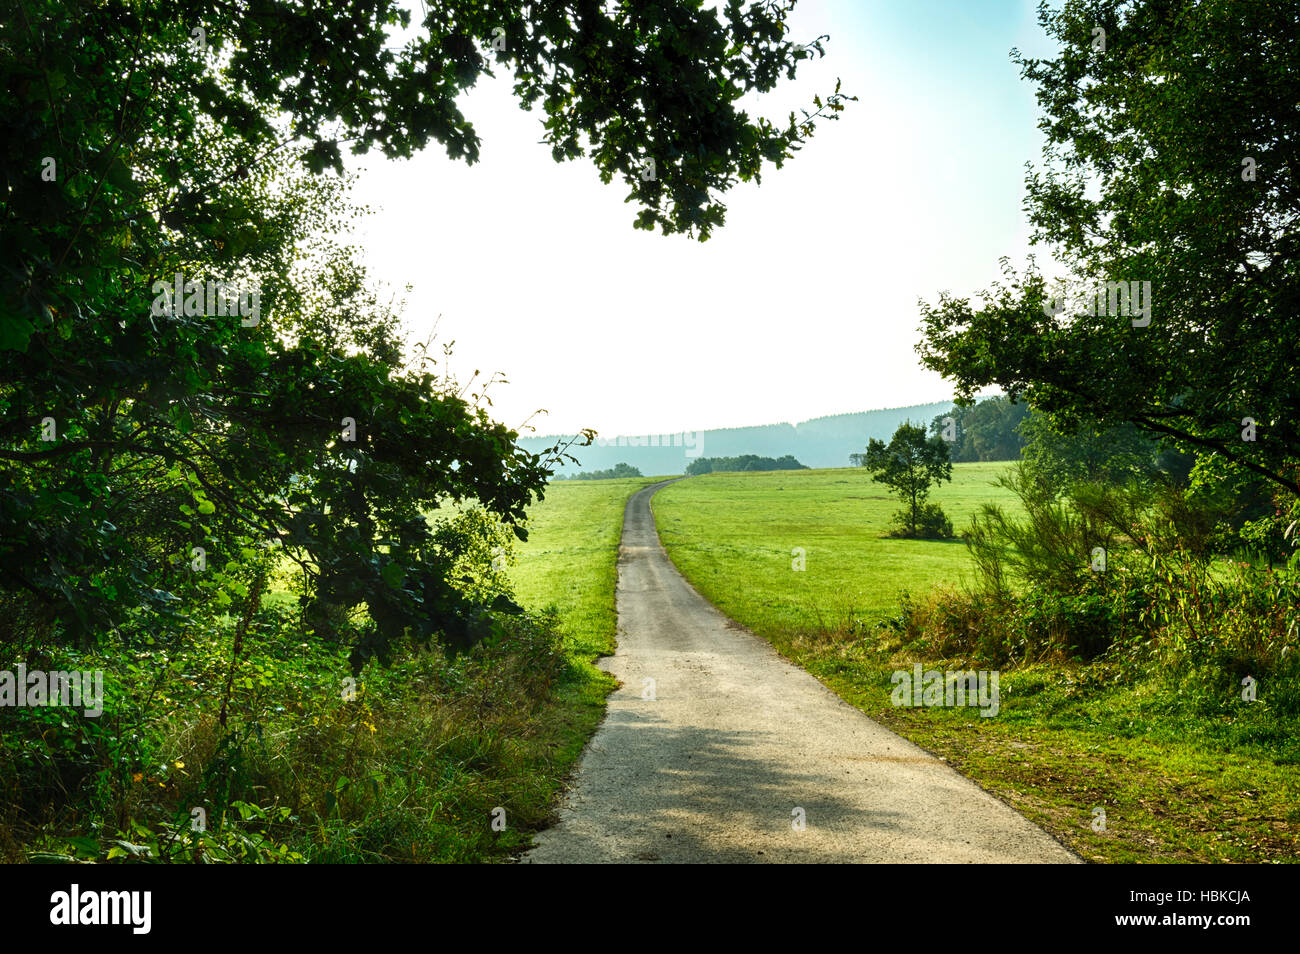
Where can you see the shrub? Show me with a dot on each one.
(931, 524)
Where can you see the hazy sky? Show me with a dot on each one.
(803, 304)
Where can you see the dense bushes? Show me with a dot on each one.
(929, 523)
(405, 764)
(1123, 574)
(745, 462)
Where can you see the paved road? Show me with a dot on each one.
(736, 741)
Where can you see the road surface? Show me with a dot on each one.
(732, 754)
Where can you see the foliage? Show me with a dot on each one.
(408, 770)
(931, 523)
(1258, 518)
(745, 462)
(988, 430)
(1168, 160)
(151, 449)
(1087, 454)
(909, 464)
(1106, 567)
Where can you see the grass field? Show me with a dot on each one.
(1179, 776)
(570, 561)
(733, 536)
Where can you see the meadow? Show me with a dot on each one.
(735, 537)
(1122, 760)
(569, 563)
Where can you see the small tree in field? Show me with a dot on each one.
(909, 464)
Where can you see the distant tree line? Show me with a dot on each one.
(817, 442)
(989, 430)
(707, 465)
(618, 470)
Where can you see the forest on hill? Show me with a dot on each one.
(818, 442)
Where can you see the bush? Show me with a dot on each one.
(931, 524)
(1038, 596)
(1081, 627)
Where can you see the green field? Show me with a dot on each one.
(733, 536)
(570, 561)
(1179, 775)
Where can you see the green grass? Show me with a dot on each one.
(732, 535)
(569, 567)
(570, 561)
(1182, 774)
(414, 768)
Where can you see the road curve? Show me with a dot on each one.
(735, 747)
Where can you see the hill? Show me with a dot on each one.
(819, 442)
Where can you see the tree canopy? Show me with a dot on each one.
(165, 158)
(1170, 167)
(988, 430)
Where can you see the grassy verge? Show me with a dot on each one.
(1180, 773)
(570, 561)
(432, 759)
(568, 569)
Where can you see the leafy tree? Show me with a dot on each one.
(1113, 455)
(1170, 158)
(159, 143)
(909, 464)
(984, 431)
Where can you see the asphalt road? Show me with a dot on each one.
(732, 754)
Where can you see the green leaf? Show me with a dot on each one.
(394, 575)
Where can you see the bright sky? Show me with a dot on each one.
(804, 304)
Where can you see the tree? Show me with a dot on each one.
(1172, 142)
(1115, 455)
(984, 431)
(909, 464)
(158, 146)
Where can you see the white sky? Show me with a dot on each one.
(804, 304)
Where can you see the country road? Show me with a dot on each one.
(738, 756)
